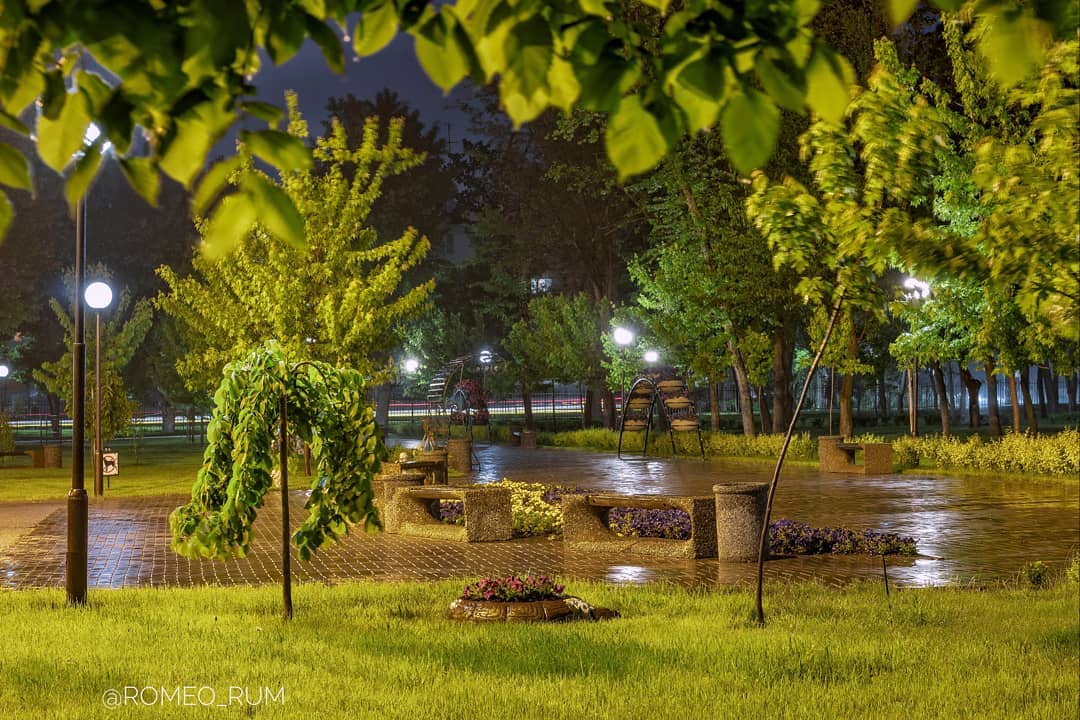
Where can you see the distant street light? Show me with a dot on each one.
(98, 296)
(485, 357)
(652, 356)
(4, 371)
(623, 336)
(917, 291)
(412, 365)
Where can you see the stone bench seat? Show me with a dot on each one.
(586, 527)
(837, 456)
(486, 511)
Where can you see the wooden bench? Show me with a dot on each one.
(486, 512)
(837, 456)
(586, 525)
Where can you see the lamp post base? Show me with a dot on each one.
(77, 542)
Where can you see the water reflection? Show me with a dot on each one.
(968, 528)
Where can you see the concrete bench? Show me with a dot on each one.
(837, 456)
(586, 528)
(486, 511)
(37, 457)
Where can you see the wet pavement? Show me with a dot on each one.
(969, 530)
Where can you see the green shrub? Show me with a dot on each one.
(1036, 574)
(803, 447)
(1015, 453)
(532, 513)
(1072, 573)
(7, 436)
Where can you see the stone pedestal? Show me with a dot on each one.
(459, 455)
(528, 439)
(384, 487)
(54, 456)
(740, 514)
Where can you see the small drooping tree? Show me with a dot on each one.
(266, 397)
(341, 298)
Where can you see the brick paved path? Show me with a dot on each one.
(975, 528)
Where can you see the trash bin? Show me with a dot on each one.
(54, 456)
(740, 513)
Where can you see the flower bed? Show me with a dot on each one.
(513, 589)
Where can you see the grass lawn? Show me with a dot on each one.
(371, 650)
(164, 468)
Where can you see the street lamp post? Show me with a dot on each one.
(98, 296)
(623, 338)
(77, 556)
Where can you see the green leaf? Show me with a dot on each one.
(11, 122)
(529, 52)
(86, 166)
(280, 149)
(661, 5)
(806, 10)
(634, 140)
(439, 52)
(900, 10)
(97, 91)
(314, 7)
(52, 99)
(59, 139)
(116, 120)
(7, 214)
(1012, 46)
(287, 32)
(706, 76)
(786, 86)
(603, 84)
(594, 7)
(271, 114)
(328, 42)
(375, 30)
(828, 83)
(14, 169)
(143, 175)
(276, 211)
(751, 124)
(230, 224)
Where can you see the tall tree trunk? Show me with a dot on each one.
(714, 405)
(882, 398)
(763, 406)
(993, 415)
(972, 385)
(168, 417)
(526, 403)
(847, 416)
(609, 409)
(1050, 380)
(847, 389)
(943, 398)
(587, 409)
(783, 356)
(1015, 403)
(746, 404)
(1029, 405)
(1070, 390)
(1042, 384)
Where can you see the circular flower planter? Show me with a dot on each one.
(493, 611)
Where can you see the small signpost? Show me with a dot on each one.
(110, 464)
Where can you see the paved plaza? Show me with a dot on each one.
(968, 531)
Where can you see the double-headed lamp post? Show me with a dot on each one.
(98, 296)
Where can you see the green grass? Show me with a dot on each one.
(164, 468)
(386, 651)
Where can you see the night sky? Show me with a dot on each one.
(395, 67)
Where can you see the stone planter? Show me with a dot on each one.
(570, 608)
(54, 456)
(740, 514)
(459, 455)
